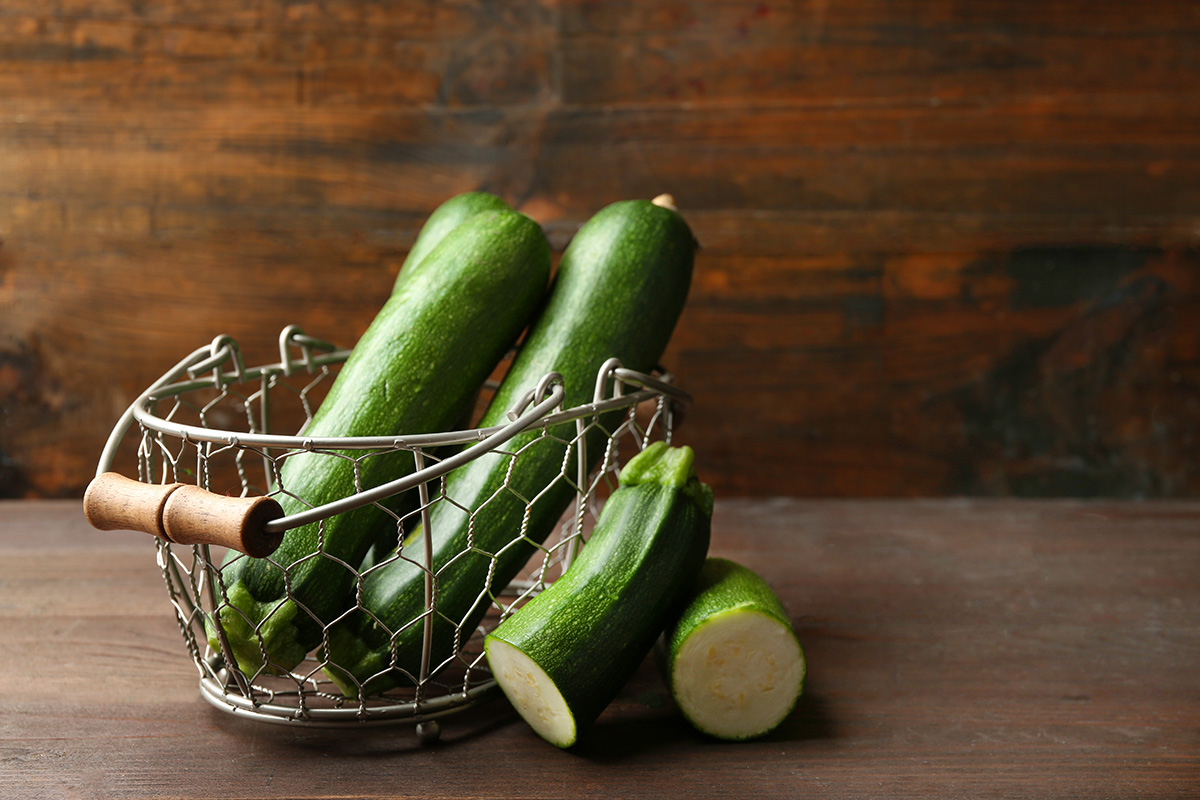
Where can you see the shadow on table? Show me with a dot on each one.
(623, 736)
(632, 737)
(810, 721)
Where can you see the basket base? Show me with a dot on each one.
(422, 715)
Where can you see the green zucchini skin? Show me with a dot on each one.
(434, 342)
(620, 288)
(445, 218)
(592, 628)
(724, 585)
(731, 594)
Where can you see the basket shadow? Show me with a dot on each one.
(626, 735)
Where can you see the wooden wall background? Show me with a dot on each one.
(949, 246)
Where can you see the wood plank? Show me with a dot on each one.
(715, 52)
(956, 649)
(1004, 159)
(171, 165)
(706, 17)
(124, 56)
(1077, 167)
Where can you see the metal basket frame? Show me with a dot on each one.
(218, 367)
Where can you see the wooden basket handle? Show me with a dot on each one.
(182, 514)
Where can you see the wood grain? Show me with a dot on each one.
(947, 248)
(870, 50)
(956, 648)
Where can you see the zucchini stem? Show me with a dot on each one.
(665, 201)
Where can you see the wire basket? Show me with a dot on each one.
(212, 424)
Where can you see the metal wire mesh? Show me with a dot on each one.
(232, 432)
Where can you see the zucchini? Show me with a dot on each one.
(433, 343)
(620, 288)
(565, 654)
(445, 218)
(732, 660)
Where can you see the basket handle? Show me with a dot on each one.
(182, 514)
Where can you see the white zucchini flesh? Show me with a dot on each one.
(738, 674)
(532, 693)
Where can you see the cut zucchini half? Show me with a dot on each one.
(739, 674)
(529, 688)
(562, 657)
(734, 664)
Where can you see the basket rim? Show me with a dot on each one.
(224, 350)
(535, 408)
(652, 387)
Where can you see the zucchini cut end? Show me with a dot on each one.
(738, 674)
(531, 692)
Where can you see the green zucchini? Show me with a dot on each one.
(732, 660)
(433, 343)
(565, 654)
(445, 218)
(620, 287)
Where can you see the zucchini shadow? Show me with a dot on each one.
(627, 738)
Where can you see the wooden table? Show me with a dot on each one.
(956, 649)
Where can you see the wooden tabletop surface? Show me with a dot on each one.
(956, 649)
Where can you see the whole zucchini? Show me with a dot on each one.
(565, 654)
(445, 218)
(732, 660)
(619, 290)
(434, 342)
